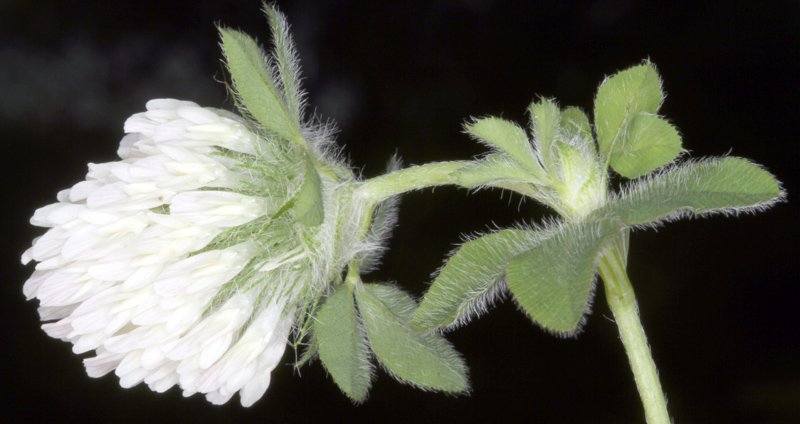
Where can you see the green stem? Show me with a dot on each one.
(622, 302)
(408, 179)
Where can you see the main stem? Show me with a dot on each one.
(622, 302)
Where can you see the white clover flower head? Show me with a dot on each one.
(181, 263)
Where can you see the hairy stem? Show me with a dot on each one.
(622, 302)
(408, 179)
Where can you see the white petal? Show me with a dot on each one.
(65, 288)
(58, 329)
(127, 146)
(197, 115)
(118, 270)
(254, 389)
(80, 242)
(27, 255)
(55, 214)
(106, 195)
(49, 313)
(83, 189)
(152, 358)
(97, 217)
(31, 286)
(102, 364)
(168, 104)
(88, 342)
(49, 244)
(218, 398)
(142, 277)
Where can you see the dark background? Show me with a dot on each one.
(719, 296)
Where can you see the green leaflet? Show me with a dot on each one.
(546, 120)
(472, 278)
(507, 137)
(342, 345)
(720, 185)
(493, 169)
(575, 123)
(553, 281)
(308, 201)
(426, 360)
(649, 143)
(620, 97)
(255, 85)
(288, 63)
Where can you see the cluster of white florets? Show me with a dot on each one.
(121, 271)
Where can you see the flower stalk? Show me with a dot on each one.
(414, 178)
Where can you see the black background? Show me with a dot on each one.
(719, 297)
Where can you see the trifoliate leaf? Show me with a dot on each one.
(255, 84)
(620, 97)
(426, 360)
(575, 123)
(553, 281)
(718, 185)
(343, 348)
(507, 137)
(494, 169)
(546, 120)
(649, 143)
(308, 203)
(472, 278)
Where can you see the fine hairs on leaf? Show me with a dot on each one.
(254, 84)
(472, 278)
(727, 185)
(649, 143)
(425, 360)
(622, 99)
(505, 137)
(545, 119)
(287, 62)
(343, 348)
(493, 170)
(553, 282)
(575, 123)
